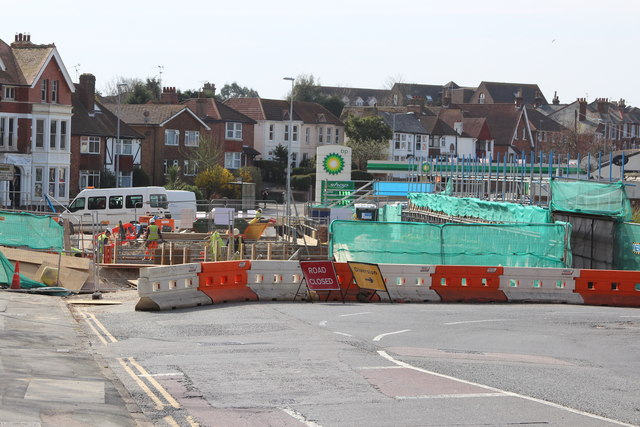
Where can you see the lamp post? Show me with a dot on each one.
(116, 147)
(288, 204)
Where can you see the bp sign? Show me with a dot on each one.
(337, 190)
(333, 163)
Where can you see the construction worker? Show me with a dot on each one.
(151, 237)
(257, 217)
(103, 239)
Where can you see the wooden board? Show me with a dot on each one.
(70, 279)
(94, 301)
(34, 257)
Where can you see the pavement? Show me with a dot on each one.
(49, 374)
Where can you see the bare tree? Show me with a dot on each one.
(111, 87)
(207, 154)
(392, 80)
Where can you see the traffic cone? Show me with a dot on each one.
(15, 282)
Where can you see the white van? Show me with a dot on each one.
(182, 205)
(108, 206)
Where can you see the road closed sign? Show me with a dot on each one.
(320, 275)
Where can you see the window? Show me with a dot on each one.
(44, 89)
(320, 135)
(169, 163)
(62, 182)
(234, 130)
(133, 201)
(2, 125)
(329, 131)
(63, 135)
(443, 141)
(97, 202)
(115, 202)
(192, 138)
(37, 191)
(39, 133)
(90, 145)
(307, 136)
(89, 178)
(232, 160)
(286, 132)
(271, 132)
(337, 136)
(12, 132)
(171, 137)
(52, 134)
(9, 93)
(295, 133)
(481, 98)
(158, 201)
(52, 182)
(54, 91)
(190, 167)
(125, 147)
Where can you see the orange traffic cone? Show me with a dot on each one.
(15, 282)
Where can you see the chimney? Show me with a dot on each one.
(446, 98)
(622, 103)
(538, 99)
(582, 111)
(209, 89)
(556, 100)
(169, 95)
(21, 39)
(602, 105)
(415, 109)
(519, 98)
(87, 92)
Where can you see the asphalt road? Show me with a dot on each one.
(292, 364)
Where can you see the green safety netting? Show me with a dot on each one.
(31, 231)
(627, 246)
(595, 198)
(391, 213)
(476, 208)
(513, 245)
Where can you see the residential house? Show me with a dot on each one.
(508, 93)
(94, 135)
(311, 125)
(441, 136)
(411, 93)
(473, 137)
(356, 97)
(35, 122)
(611, 125)
(171, 134)
(410, 139)
(231, 129)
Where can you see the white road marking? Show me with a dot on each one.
(476, 321)
(379, 337)
(629, 316)
(503, 392)
(170, 374)
(298, 416)
(323, 323)
(343, 333)
(355, 314)
(364, 368)
(449, 396)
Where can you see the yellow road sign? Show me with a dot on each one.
(368, 276)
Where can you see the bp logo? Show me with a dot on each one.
(426, 167)
(333, 164)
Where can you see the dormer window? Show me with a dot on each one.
(321, 118)
(481, 98)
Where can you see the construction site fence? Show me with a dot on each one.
(197, 284)
(514, 245)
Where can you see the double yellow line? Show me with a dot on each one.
(129, 364)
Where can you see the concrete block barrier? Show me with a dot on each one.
(170, 287)
(276, 280)
(408, 282)
(546, 285)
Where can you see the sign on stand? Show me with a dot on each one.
(368, 276)
(319, 276)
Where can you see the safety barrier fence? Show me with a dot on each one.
(190, 285)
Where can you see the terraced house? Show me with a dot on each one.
(35, 123)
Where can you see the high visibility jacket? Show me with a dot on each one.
(153, 232)
(103, 238)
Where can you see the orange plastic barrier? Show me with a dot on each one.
(464, 283)
(107, 256)
(345, 278)
(226, 281)
(609, 287)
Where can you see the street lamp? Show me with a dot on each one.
(288, 204)
(116, 148)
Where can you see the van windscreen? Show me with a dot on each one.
(158, 200)
(77, 204)
(134, 202)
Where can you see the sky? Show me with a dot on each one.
(581, 49)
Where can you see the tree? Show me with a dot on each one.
(111, 88)
(368, 138)
(307, 89)
(140, 177)
(153, 85)
(139, 95)
(206, 155)
(234, 90)
(214, 182)
(173, 181)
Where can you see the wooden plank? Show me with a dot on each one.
(34, 257)
(71, 279)
(94, 302)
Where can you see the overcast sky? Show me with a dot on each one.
(578, 48)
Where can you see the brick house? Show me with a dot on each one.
(171, 133)
(313, 125)
(35, 122)
(94, 132)
(231, 129)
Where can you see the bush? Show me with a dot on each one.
(302, 182)
(358, 175)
